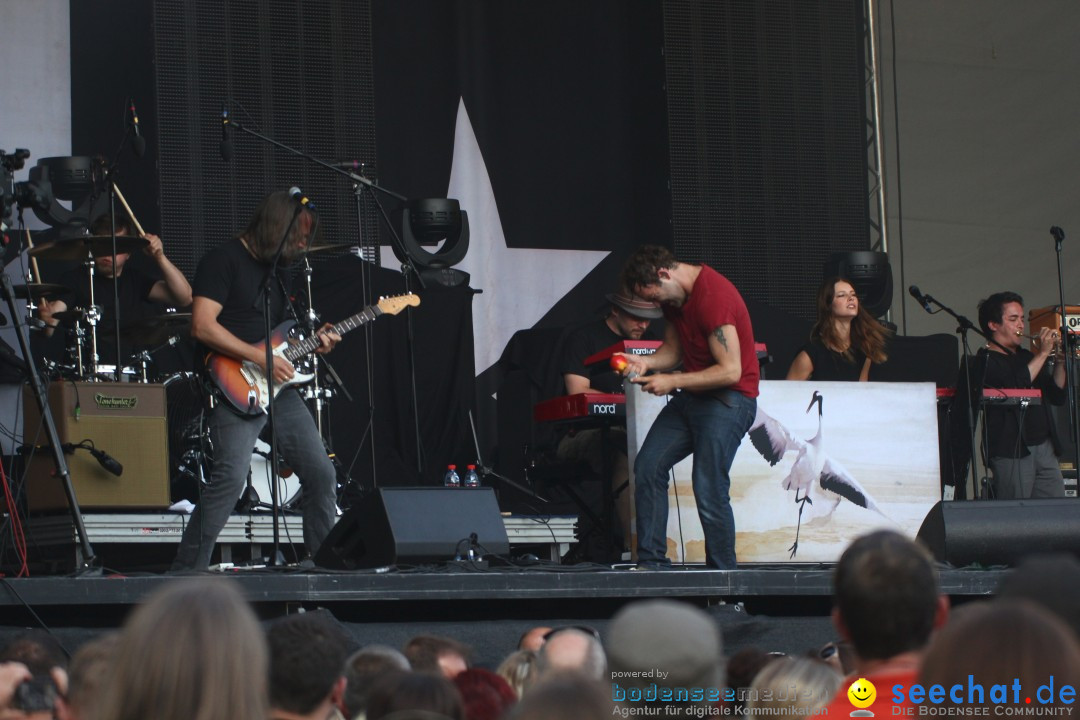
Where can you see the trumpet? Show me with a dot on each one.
(1053, 336)
(1055, 350)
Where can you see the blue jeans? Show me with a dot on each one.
(233, 438)
(711, 429)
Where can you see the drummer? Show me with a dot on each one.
(137, 286)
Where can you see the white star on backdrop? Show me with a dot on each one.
(520, 285)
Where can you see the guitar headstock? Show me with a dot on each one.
(396, 303)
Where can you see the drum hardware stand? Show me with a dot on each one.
(313, 391)
(320, 394)
(250, 500)
(89, 560)
(93, 317)
(80, 343)
(145, 357)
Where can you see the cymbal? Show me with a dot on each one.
(156, 330)
(73, 315)
(78, 247)
(35, 290)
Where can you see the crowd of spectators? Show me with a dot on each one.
(897, 643)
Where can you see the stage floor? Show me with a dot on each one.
(146, 541)
(540, 589)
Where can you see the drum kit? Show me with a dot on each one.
(148, 335)
(146, 340)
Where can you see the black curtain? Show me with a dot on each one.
(445, 388)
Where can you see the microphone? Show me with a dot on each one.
(226, 143)
(298, 194)
(1058, 233)
(139, 143)
(107, 461)
(920, 298)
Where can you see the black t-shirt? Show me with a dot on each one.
(589, 340)
(831, 365)
(229, 275)
(133, 286)
(1002, 423)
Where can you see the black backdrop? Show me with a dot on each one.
(729, 130)
(442, 328)
(768, 141)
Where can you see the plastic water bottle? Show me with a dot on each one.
(451, 479)
(472, 480)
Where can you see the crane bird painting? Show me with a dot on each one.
(822, 481)
(809, 479)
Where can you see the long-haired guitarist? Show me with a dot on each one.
(227, 321)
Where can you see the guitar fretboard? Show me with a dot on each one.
(309, 345)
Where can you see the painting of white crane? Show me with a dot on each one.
(822, 480)
(872, 447)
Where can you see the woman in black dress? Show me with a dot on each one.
(845, 340)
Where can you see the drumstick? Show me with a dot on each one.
(33, 260)
(120, 196)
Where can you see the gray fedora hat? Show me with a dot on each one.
(634, 305)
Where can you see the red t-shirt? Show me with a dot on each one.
(713, 302)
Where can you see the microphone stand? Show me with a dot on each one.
(360, 184)
(268, 283)
(485, 471)
(369, 331)
(407, 269)
(89, 562)
(1070, 379)
(963, 327)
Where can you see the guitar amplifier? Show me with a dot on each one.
(126, 420)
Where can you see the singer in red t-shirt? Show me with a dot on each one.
(713, 400)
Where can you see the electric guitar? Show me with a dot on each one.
(243, 383)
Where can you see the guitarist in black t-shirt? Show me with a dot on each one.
(227, 319)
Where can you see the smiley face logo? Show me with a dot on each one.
(862, 693)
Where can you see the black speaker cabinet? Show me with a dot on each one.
(126, 420)
(1000, 532)
(413, 526)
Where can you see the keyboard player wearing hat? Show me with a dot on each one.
(1019, 441)
(628, 318)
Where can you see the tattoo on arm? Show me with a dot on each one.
(719, 333)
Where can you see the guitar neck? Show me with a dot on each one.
(311, 344)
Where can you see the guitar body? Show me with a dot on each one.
(243, 383)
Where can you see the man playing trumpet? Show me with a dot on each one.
(1020, 443)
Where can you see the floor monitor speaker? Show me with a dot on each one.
(414, 525)
(1000, 532)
